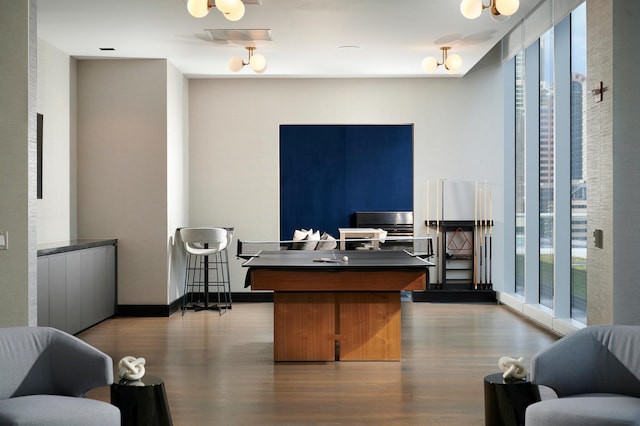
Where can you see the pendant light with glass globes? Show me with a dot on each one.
(233, 10)
(256, 61)
(452, 63)
(500, 9)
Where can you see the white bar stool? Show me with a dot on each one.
(205, 268)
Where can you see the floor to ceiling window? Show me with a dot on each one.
(552, 159)
(578, 165)
(546, 164)
(520, 173)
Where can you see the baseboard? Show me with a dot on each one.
(168, 310)
(148, 310)
(455, 296)
(258, 297)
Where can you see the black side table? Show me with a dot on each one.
(505, 401)
(141, 402)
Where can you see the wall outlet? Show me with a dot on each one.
(4, 240)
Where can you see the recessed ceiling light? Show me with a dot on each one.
(349, 46)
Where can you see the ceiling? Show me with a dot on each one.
(310, 38)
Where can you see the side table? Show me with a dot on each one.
(141, 402)
(505, 401)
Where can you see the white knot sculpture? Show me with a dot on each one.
(131, 368)
(512, 367)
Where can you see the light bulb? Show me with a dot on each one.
(258, 63)
(226, 6)
(236, 13)
(507, 7)
(235, 63)
(453, 62)
(471, 9)
(499, 17)
(198, 8)
(429, 64)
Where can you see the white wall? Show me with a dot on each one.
(177, 175)
(135, 166)
(122, 169)
(53, 101)
(234, 139)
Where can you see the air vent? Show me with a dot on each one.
(240, 35)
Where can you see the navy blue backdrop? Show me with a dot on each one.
(328, 172)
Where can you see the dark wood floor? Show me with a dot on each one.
(220, 370)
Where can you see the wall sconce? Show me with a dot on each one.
(256, 61)
(500, 9)
(452, 63)
(233, 10)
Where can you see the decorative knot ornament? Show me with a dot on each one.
(131, 368)
(512, 368)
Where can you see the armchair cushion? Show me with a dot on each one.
(37, 410)
(586, 410)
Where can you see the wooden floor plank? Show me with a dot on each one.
(219, 370)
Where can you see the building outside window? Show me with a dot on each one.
(520, 173)
(578, 165)
(546, 164)
(559, 168)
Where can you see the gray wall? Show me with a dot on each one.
(613, 153)
(18, 161)
(126, 131)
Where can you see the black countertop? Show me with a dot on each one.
(46, 249)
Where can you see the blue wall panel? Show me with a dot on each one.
(328, 172)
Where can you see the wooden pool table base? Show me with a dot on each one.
(337, 326)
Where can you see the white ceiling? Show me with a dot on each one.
(392, 36)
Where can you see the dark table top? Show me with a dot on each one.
(46, 249)
(323, 259)
(496, 379)
(146, 380)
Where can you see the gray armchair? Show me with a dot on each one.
(44, 376)
(595, 373)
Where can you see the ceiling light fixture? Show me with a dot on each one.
(256, 61)
(233, 10)
(452, 63)
(500, 9)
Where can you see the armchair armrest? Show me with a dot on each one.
(568, 365)
(596, 359)
(77, 367)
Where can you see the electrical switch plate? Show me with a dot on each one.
(4, 240)
(598, 238)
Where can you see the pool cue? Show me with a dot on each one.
(490, 236)
(475, 239)
(483, 265)
(480, 235)
(485, 232)
(438, 264)
(428, 231)
(428, 223)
